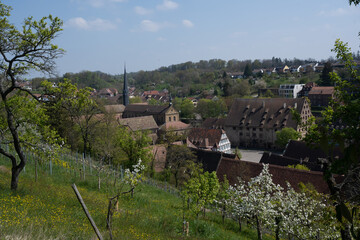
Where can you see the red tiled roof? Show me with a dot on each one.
(233, 169)
(322, 90)
(202, 137)
(144, 109)
(176, 125)
(139, 123)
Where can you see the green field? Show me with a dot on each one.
(49, 209)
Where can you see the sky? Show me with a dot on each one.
(101, 35)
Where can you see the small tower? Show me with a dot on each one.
(125, 90)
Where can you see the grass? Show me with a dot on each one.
(48, 209)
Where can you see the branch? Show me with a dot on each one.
(8, 155)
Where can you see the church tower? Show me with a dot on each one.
(125, 90)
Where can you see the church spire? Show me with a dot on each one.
(125, 90)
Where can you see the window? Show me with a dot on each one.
(174, 118)
(169, 119)
(254, 129)
(240, 134)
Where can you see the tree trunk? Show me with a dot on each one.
(258, 227)
(345, 233)
(176, 179)
(277, 231)
(99, 181)
(239, 221)
(15, 172)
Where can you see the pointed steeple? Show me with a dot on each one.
(125, 90)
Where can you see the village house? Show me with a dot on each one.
(210, 139)
(290, 90)
(107, 93)
(321, 96)
(306, 89)
(254, 122)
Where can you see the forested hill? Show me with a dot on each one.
(183, 79)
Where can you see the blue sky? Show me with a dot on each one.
(100, 35)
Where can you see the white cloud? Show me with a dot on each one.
(97, 3)
(97, 24)
(187, 23)
(168, 5)
(142, 11)
(150, 26)
(161, 39)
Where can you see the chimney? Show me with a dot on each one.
(284, 105)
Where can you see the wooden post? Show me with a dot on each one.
(87, 212)
(50, 165)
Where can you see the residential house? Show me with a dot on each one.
(309, 67)
(254, 122)
(290, 90)
(319, 67)
(284, 69)
(156, 95)
(236, 75)
(306, 89)
(210, 139)
(295, 69)
(107, 92)
(194, 101)
(321, 96)
(161, 113)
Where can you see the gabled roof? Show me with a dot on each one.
(264, 113)
(300, 150)
(233, 169)
(202, 137)
(210, 159)
(322, 91)
(276, 159)
(175, 125)
(139, 123)
(145, 109)
(214, 123)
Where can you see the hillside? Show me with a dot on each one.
(192, 78)
(48, 209)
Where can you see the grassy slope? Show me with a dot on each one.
(48, 209)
